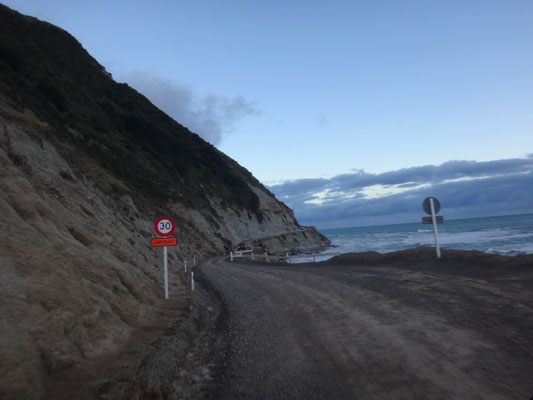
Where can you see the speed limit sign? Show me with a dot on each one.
(164, 226)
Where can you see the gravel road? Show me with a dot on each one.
(334, 331)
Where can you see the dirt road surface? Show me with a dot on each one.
(351, 330)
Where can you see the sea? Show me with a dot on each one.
(506, 235)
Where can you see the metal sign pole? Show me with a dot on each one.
(434, 220)
(166, 271)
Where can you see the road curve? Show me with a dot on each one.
(346, 332)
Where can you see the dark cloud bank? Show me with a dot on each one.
(464, 188)
(208, 116)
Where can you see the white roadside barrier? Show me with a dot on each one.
(237, 254)
(287, 258)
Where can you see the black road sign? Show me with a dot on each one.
(427, 208)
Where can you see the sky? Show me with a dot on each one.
(351, 112)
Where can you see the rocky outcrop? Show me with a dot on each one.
(305, 240)
(277, 230)
(83, 178)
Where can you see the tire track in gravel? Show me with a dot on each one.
(347, 332)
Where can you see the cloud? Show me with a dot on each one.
(465, 189)
(209, 116)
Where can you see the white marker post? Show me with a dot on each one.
(434, 221)
(192, 281)
(231, 256)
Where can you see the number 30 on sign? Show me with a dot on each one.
(164, 226)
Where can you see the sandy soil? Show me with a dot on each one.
(114, 375)
(402, 325)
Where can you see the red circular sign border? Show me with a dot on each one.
(171, 230)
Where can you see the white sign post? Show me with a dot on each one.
(434, 220)
(432, 206)
(165, 270)
(165, 226)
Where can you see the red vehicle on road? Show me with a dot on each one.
(242, 247)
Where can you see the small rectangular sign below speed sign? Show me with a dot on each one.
(169, 241)
(439, 219)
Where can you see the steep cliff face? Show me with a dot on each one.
(115, 138)
(86, 166)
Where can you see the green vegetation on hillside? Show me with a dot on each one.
(107, 130)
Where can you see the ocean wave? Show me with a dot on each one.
(507, 239)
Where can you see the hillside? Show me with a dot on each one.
(86, 167)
